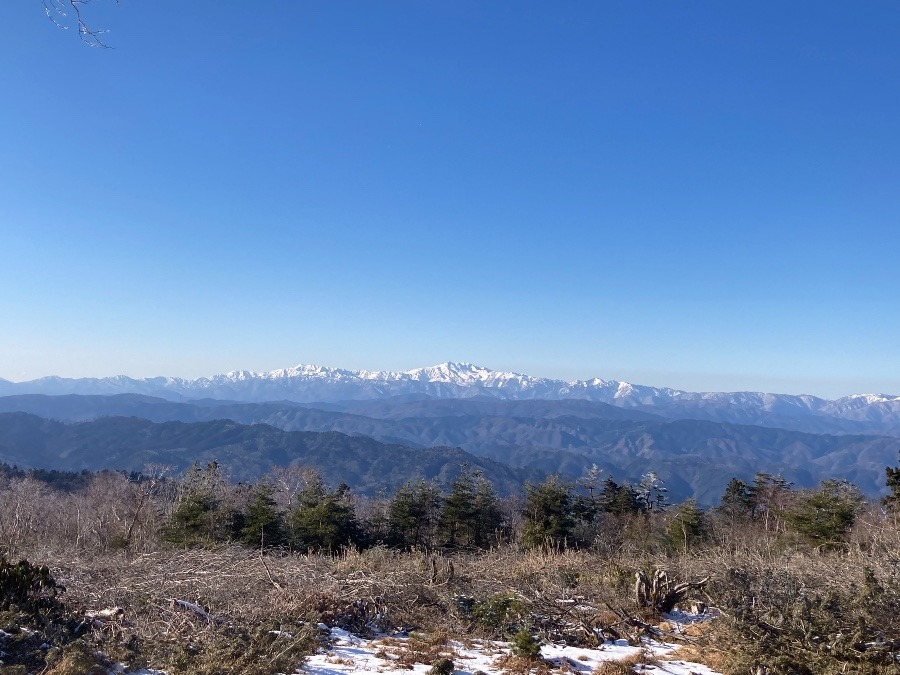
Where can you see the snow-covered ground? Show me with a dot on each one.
(348, 653)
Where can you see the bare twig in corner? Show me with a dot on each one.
(57, 11)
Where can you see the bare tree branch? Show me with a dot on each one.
(59, 11)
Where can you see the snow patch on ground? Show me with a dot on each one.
(348, 653)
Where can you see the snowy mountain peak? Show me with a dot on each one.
(241, 375)
(459, 379)
(459, 372)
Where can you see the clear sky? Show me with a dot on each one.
(703, 195)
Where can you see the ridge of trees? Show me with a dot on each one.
(294, 509)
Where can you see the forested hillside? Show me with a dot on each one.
(695, 457)
(245, 452)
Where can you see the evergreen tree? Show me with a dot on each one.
(470, 513)
(685, 526)
(262, 523)
(192, 523)
(413, 515)
(525, 645)
(488, 515)
(590, 481)
(548, 515)
(826, 515)
(585, 509)
(323, 520)
(200, 517)
(737, 501)
(892, 501)
(618, 499)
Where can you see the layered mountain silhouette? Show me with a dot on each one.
(862, 413)
(246, 452)
(527, 438)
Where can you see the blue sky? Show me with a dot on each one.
(701, 195)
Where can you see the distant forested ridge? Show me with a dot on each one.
(245, 452)
(695, 457)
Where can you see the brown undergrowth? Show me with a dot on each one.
(419, 647)
(626, 665)
(230, 610)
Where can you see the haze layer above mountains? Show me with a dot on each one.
(535, 426)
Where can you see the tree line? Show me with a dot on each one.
(292, 509)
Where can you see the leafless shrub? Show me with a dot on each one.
(781, 602)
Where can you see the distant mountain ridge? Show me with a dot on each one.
(245, 451)
(694, 457)
(860, 413)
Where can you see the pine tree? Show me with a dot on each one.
(591, 483)
(892, 501)
(548, 515)
(413, 515)
(262, 523)
(737, 502)
(470, 513)
(190, 524)
(200, 517)
(826, 515)
(525, 645)
(323, 520)
(488, 515)
(618, 499)
(685, 526)
(587, 507)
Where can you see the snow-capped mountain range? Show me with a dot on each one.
(309, 384)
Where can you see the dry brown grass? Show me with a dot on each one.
(626, 665)
(426, 648)
(517, 665)
(77, 659)
(245, 596)
(568, 595)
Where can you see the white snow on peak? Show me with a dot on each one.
(869, 399)
(624, 390)
(306, 383)
(459, 372)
